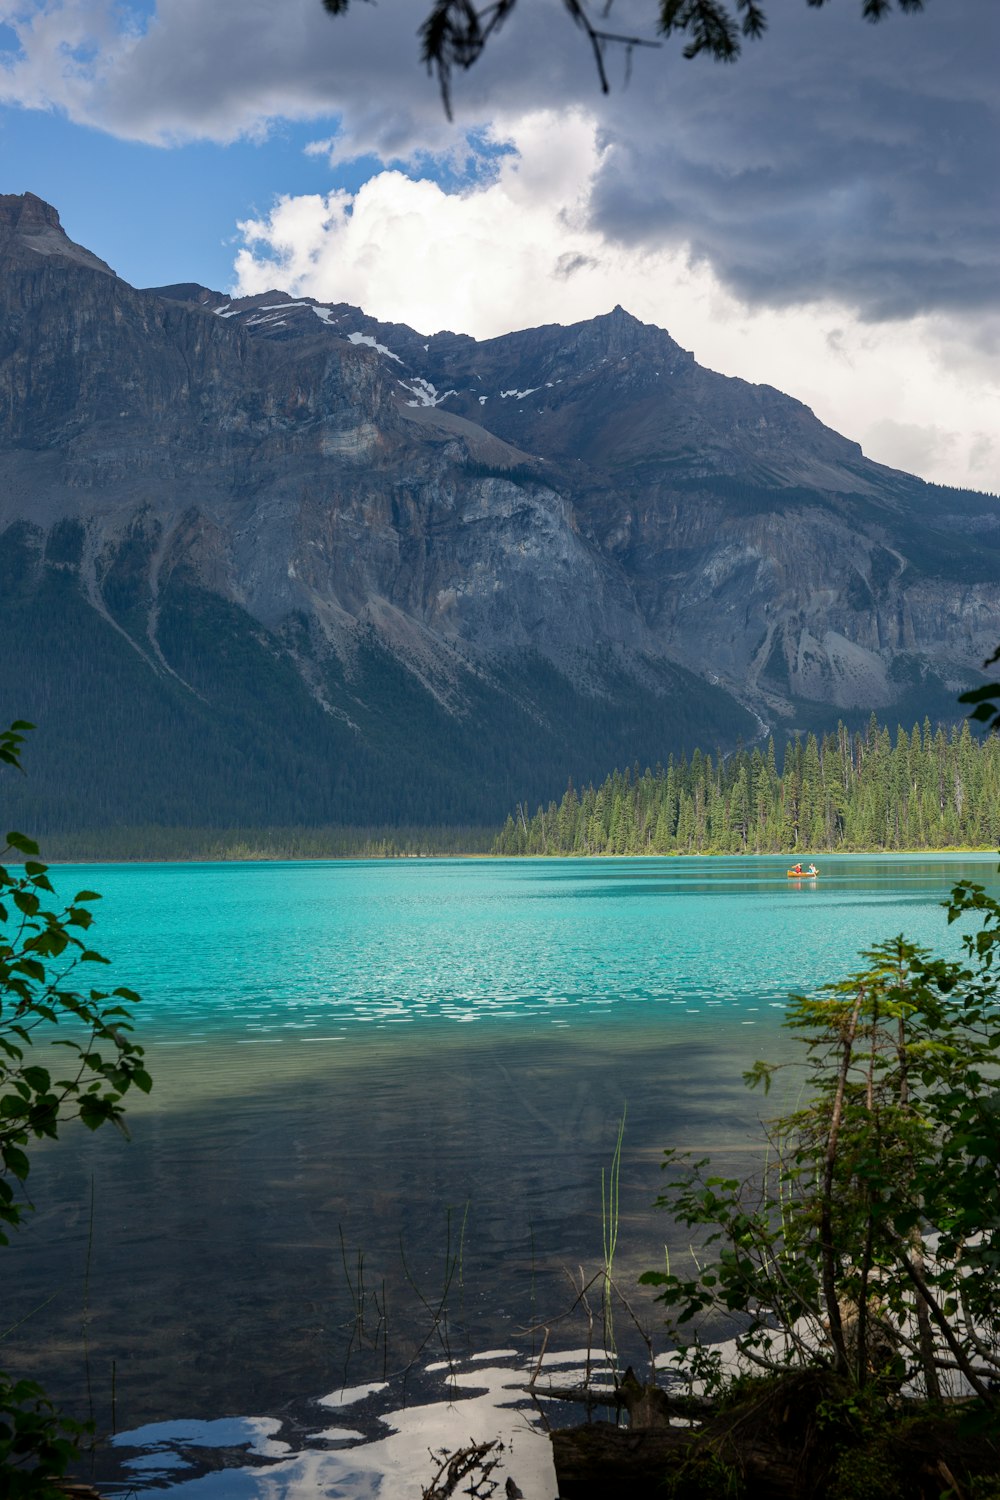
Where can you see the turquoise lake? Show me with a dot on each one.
(366, 1072)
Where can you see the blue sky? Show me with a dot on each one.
(823, 216)
(160, 214)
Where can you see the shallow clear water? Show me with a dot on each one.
(367, 1073)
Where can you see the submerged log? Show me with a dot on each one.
(599, 1459)
(767, 1442)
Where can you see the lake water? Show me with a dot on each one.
(384, 1096)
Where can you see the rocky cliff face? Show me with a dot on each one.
(463, 569)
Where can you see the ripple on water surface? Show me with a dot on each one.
(317, 949)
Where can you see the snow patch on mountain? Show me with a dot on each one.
(425, 393)
(366, 338)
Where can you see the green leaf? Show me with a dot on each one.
(15, 1161)
(980, 694)
(20, 842)
(31, 967)
(94, 1112)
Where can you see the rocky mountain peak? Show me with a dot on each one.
(625, 328)
(29, 223)
(619, 336)
(27, 213)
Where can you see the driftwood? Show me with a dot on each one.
(474, 1462)
(671, 1406)
(649, 1406)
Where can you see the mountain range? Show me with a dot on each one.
(272, 561)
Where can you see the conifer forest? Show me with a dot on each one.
(930, 789)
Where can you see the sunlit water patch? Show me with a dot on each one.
(310, 951)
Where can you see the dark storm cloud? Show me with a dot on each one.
(837, 160)
(568, 264)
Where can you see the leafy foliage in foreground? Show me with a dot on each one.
(44, 954)
(41, 948)
(867, 1253)
(985, 698)
(928, 790)
(37, 1443)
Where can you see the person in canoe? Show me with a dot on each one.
(812, 870)
(797, 869)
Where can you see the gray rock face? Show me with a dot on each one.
(562, 492)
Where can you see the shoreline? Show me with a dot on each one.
(263, 857)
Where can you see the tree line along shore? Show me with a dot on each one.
(930, 789)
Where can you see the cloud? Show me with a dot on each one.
(523, 249)
(835, 160)
(187, 71)
(920, 446)
(571, 261)
(65, 54)
(925, 448)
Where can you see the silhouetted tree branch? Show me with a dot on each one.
(454, 34)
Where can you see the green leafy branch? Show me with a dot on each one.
(37, 1443)
(42, 949)
(870, 1243)
(44, 954)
